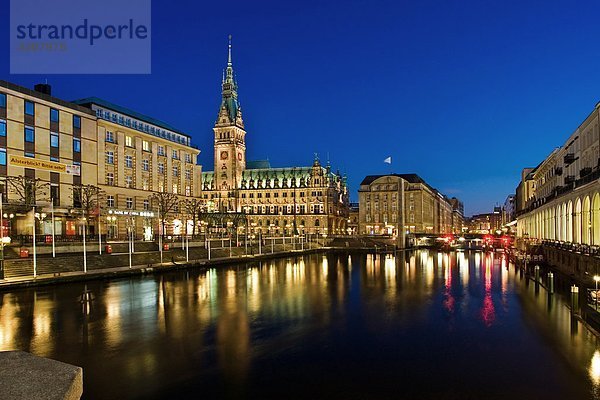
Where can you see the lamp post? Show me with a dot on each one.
(35, 216)
(160, 233)
(84, 246)
(272, 237)
(53, 233)
(252, 231)
(99, 232)
(208, 241)
(596, 279)
(130, 240)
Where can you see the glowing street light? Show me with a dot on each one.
(596, 279)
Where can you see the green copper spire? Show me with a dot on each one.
(229, 89)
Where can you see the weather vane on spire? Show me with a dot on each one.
(229, 59)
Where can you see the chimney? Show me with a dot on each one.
(43, 88)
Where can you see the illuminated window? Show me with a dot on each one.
(146, 145)
(128, 141)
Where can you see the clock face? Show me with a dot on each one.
(224, 155)
(240, 156)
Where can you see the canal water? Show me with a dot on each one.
(421, 325)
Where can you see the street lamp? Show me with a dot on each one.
(84, 247)
(36, 216)
(1, 238)
(596, 279)
(271, 229)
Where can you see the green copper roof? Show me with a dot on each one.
(279, 174)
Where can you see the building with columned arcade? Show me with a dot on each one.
(563, 200)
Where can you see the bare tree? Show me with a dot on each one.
(165, 202)
(88, 198)
(26, 190)
(192, 208)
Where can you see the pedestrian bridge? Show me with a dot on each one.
(474, 241)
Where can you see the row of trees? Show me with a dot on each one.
(90, 199)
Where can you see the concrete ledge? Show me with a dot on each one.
(25, 376)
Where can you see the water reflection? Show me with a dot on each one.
(268, 328)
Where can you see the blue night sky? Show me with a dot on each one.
(464, 93)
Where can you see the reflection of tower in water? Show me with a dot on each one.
(233, 330)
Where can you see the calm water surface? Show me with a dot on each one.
(421, 325)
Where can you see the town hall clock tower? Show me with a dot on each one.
(230, 143)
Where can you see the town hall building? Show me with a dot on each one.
(290, 200)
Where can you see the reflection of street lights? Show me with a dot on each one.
(596, 279)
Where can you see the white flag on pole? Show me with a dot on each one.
(388, 160)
